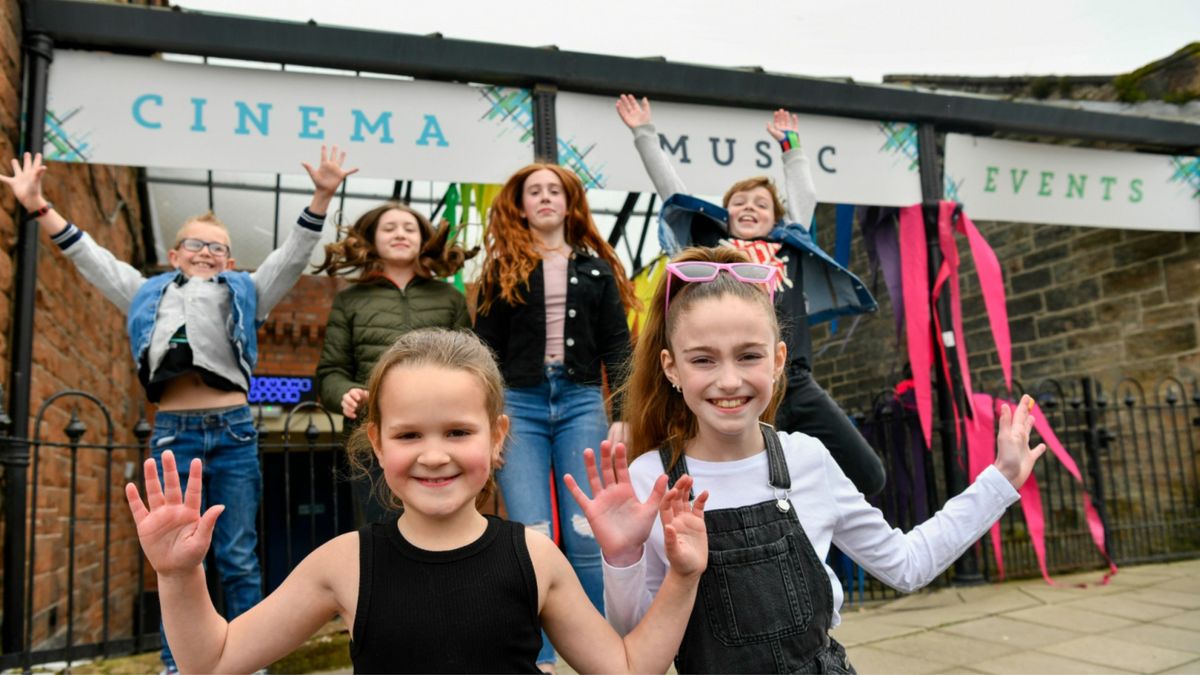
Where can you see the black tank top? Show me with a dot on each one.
(468, 610)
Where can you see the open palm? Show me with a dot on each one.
(1014, 458)
(329, 174)
(26, 181)
(620, 522)
(684, 535)
(173, 533)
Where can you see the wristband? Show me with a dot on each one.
(42, 211)
(790, 140)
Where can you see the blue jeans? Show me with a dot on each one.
(552, 424)
(227, 443)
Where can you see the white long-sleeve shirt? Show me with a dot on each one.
(829, 509)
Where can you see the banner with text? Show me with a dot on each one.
(853, 161)
(1040, 183)
(109, 109)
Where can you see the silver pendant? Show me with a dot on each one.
(783, 505)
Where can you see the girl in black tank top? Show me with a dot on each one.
(440, 589)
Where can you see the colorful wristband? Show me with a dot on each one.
(791, 139)
(42, 211)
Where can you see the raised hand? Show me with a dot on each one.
(26, 181)
(173, 533)
(781, 123)
(633, 113)
(352, 401)
(329, 173)
(620, 523)
(684, 534)
(1014, 459)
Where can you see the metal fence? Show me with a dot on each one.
(1136, 450)
(84, 586)
(84, 590)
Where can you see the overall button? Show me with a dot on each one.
(570, 342)
(595, 273)
(571, 313)
(574, 280)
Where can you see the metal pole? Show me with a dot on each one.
(39, 52)
(966, 569)
(545, 132)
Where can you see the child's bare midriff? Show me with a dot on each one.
(189, 392)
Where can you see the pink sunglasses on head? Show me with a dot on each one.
(699, 271)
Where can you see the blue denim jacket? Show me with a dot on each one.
(243, 328)
(832, 290)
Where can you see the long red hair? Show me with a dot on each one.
(511, 247)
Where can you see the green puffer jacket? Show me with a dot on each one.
(368, 317)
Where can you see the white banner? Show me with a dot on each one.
(1039, 183)
(108, 109)
(853, 161)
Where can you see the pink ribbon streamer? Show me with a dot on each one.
(980, 423)
(915, 279)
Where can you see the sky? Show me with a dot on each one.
(861, 39)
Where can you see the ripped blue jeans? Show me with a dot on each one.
(227, 442)
(552, 424)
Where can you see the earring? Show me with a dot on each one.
(676, 387)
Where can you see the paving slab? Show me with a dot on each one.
(1160, 636)
(869, 660)
(870, 629)
(1189, 668)
(1167, 594)
(999, 602)
(1038, 662)
(1189, 620)
(1019, 634)
(1078, 619)
(932, 618)
(1127, 606)
(1109, 651)
(945, 648)
(1048, 594)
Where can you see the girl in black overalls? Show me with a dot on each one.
(705, 382)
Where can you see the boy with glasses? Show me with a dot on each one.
(193, 334)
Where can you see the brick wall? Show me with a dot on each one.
(79, 343)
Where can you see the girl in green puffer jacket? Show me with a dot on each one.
(392, 254)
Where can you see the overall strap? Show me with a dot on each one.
(674, 473)
(781, 477)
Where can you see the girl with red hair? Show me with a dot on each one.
(552, 304)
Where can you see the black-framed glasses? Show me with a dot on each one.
(196, 245)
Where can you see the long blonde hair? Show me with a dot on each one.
(657, 414)
(450, 349)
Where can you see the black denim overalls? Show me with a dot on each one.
(764, 604)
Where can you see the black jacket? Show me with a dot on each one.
(595, 331)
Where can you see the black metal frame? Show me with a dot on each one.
(132, 29)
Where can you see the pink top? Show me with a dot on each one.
(554, 270)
